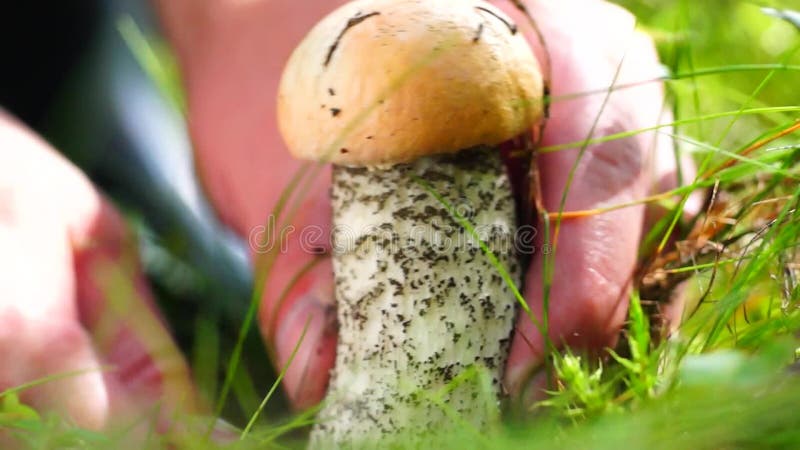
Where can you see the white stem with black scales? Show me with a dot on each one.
(418, 300)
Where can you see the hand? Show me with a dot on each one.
(73, 301)
(232, 54)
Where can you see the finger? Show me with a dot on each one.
(58, 356)
(298, 299)
(62, 243)
(594, 255)
(308, 325)
(147, 371)
(39, 332)
(670, 169)
(232, 81)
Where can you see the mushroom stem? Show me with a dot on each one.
(418, 300)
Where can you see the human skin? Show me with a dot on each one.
(232, 53)
(59, 236)
(73, 297)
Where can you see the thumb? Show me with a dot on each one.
(305, 340)
(297, 316)
(116, 307)
(56, 355)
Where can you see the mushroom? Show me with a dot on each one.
(410, 99)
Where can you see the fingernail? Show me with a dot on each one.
(527, 385)
(307, 374)
(536, 387)
(518, 374)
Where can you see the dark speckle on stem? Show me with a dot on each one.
(418, 307)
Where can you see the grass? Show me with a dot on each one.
(727, 379)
